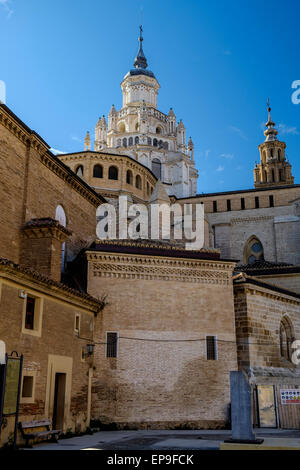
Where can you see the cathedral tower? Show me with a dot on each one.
(273, 169)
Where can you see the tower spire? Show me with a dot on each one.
(270, 132)
(140, 62)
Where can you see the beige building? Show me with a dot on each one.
(167, 324)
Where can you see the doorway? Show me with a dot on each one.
(266, 406)
(59, 401)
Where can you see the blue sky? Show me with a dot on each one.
(217, 62)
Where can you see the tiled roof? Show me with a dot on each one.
(10, 266)
(243, 278)
(154, 248)
(267, 267)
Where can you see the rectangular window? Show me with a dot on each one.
(256, 202)
(215, 209)
(243, 203)
(228, 204)
(111, 344)
(27, 389)
(29, 316)
(211, 348)
(271, 198)
(77, 323)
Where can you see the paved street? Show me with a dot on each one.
(163, 440)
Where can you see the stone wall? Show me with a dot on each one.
(258, 313)
(158, 380)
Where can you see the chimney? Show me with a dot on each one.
(42, 244)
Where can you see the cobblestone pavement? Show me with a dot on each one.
(158, 440)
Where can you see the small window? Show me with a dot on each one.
(138, 182)
(228, 204)
(243, 203)
(256, 202)
(129, 177)
(98, 171)
(113, 173)
(111, 344)
(211, 348)
(77, 323)
(27, 389)
(130, 141)
(124, 142)
(79, 171)
(215, 209)
(29, 316)
(28, 386)
(271, 199)
(136, 141)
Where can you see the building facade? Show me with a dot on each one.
(167, 324)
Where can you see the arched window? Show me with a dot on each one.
(286, 337)
(271, 152)
(254, 251)
(149, 141)
(158, 130)
(60, 215)
(156, 168)
(98, 171)
(155, 142)
(130, 141)
(79, 171)
(136, 140)
(124, 142)
(138, 182)
(113, 173)
(129, 177)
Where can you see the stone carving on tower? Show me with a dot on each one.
(274, 169)
(148, 135)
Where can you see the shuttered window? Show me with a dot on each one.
(211, 348)
(111, 344)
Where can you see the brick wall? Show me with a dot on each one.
(162, 383)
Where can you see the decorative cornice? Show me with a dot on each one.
(163, 269)
(242, 220)
(45, 228)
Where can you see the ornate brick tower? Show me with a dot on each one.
(148, 135)
(273, 169)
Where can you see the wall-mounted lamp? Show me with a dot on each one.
(90, 347)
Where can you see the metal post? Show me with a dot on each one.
(2, 388)
(18, 403)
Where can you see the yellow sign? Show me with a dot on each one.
(11, 386)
